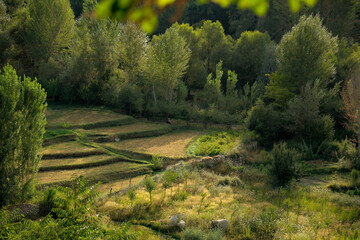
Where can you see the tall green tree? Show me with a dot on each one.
(167, 62)
(50, 28)
(214, 45)
(305, 54)
(133, 45)
(22, 125)
(250, 51)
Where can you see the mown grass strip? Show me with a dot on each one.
(59, 139)
(72, 155)
(136, 134)
(103, 177)
(123, 121)
(86, 165)
(112, 153)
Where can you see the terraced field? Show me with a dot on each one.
(106, 146)
(170, 145)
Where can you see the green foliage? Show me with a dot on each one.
(305, 122)
(283, 164)
(249, 54)
(354, 176)
(93, 58)
(22, 125)
(75, 218)
(215, 143)
(49, 201)
(133, 46)
(168, 57)
(43, 39)
(305, 54)
(347, 154)
(149, 185)
(157, 162)
(266, 122)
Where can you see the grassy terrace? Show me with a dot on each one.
(70, 147)
(170, 145)
(105, 173)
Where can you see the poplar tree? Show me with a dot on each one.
(22, 125)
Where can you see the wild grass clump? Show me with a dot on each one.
(198, 234)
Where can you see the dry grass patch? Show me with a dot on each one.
(68, 147)
(120, 184)
(170, 145)
(135, 127)
(73, 161)
(105, 173)
(58, 117)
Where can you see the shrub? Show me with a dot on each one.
(49, 201)
(283, 164)
(157, 162)
(215, 143)
(354, 176)
(266, 123)
(347, 154)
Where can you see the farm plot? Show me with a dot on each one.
(170, 145)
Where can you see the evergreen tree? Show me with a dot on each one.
(305, 54)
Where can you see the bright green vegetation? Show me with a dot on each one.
(215, 143)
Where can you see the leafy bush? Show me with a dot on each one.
(348, 154)
(266, 123)
(157, 162)
(283, 164)
(215, 143)
(354, 176)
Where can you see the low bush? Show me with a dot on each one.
(283, 160)
(157, 163)
(215, 143)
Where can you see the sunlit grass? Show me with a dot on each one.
(135, 127)
(170, 145)
(116, 169)
(73, 161)
(67, 117)
(67, 147)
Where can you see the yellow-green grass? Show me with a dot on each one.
(119, 184)
(170, 145)
(311, 213)
(135, 127)
(73, 161)
(79, 116)
(103, 173)
(66, 148)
